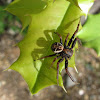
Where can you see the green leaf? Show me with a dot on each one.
(75, 2)
(90, 33)
(23, 8)
(43, 18)
(85, 5)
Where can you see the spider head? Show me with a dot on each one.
(57, 47)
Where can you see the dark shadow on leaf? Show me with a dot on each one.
(44, 44)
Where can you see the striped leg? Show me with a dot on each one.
(68, 73)
(74, 42)
(58, 69)
(54, 60)
(70, 41)
(66, 40)
(47, 56)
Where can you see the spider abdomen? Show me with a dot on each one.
(68, 52)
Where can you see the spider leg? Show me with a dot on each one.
(54, 60)
(47, 56)
(70, 41)
(74, 42)
(58, 69)
(68, 73)
(66, 40)
(59, 36)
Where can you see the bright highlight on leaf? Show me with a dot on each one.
(43, 18)
(85, 5)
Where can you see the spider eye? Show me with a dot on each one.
(57, 47)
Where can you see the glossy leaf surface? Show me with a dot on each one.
(43, 19)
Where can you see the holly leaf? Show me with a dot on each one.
(23, 9)
(90, 33)
(85, 5)
(43, 19)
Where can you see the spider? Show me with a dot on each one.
(63, 52)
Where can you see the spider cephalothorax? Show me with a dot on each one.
(63, 52)
(57, 47)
